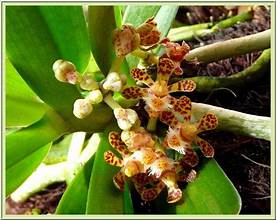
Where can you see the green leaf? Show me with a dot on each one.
(211, 193)
(19, 172)
(22, 105)
(164, 25)
(137, 15)
(103, 197)
(28, 141)
(74, 199)
(101, 23)
(128, 206)
(36, 36)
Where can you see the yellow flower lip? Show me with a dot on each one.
(159, 88)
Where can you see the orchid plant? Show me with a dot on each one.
(91, 96)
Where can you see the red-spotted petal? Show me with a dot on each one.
(142, 76)
(168, 118)
(119, 180)
(117, 143)
(209, 121)
(134, 92)
(165, 69)
(112, 159)
(190, 158)
(206, 148)
(183, 106)
(182, 86)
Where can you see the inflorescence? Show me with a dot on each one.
(145, 157)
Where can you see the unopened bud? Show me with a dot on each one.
(113, 82)
(126, 118)
(95, 97)
(125, 40)
(82, 108)
(88, 82)
(65, 71)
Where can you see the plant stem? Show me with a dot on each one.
(146, 56)
(231, 48)
(236, 122)
(152, 124)
(243, 78)
(116, 64)
(111, 102)
(76, 146)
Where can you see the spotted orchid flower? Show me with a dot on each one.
(128, 38)
(176, 53)
(149, 168)
(148, 32)
(181, 135)
(157, 95)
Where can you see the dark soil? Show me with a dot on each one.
(245, 160)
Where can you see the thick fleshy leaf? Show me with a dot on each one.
(36, 36)
(74, 199)
(28, 141)
(23, 107)
(211, 193)
(101, 24)
(164, 25)
(103, 196)
(19, 172)
(137, 14)
(128, 206)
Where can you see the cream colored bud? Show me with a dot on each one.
(113, 82)
(126, 118)
(95, 97)
(82, 108)
(88, 82)
(65, 71)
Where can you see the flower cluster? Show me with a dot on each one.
(144, 157)
(148, 166)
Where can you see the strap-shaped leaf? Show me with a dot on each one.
(22, 105)
(74, 199)
(36, 36)
(211, 193)
(101, 24)
(137, 14)
(164, 25)
(16, 174)
(21, 144)
(103, 197)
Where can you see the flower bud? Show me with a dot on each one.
(82, 108)
(87, 82)
(65, 71)
(126, 118)
(113, 82)
(95, 97)
(125, 40)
